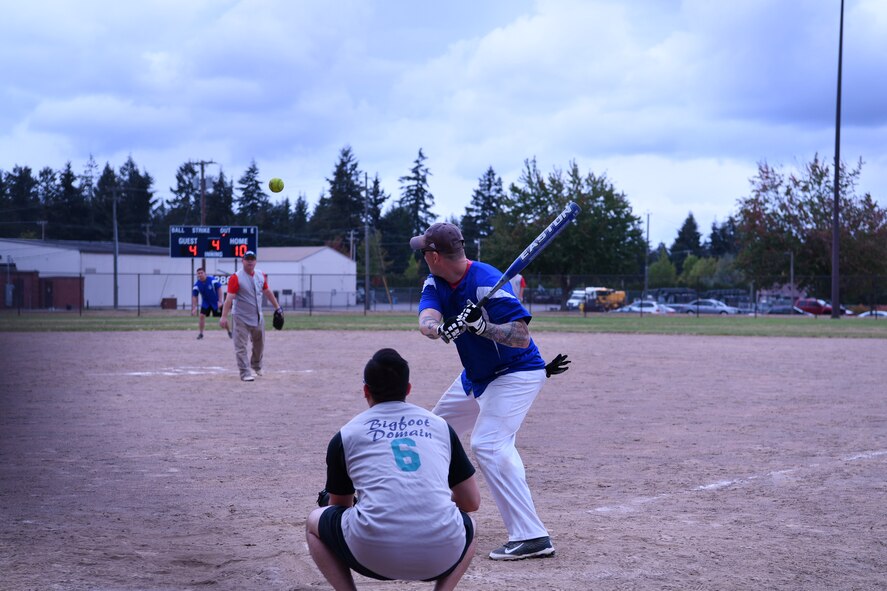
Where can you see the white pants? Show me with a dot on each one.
(494, 420)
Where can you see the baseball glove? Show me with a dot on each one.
(557, 365)
(278, 319)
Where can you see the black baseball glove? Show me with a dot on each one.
(557, 365)
(278, 319)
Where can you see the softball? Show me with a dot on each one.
(276, 185)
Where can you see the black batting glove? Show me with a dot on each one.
(557, 365)
(473, 317)
(451, 328)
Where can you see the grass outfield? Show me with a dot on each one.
(781, 326)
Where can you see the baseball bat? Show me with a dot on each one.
(536, 246)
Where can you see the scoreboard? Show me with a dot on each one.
(223, 242)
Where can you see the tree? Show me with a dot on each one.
(136, 203)
(341, 209)
(662, 272)
(23, 203)
(396, 230)
(686, 243)
(184, 206)
(220, 202)
(253, 204)
(486, 201)
(68, 216)
(722, 240)
(794, 214)
(300, 223)
(605, 239)
(415, 196)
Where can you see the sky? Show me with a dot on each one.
(676, 102)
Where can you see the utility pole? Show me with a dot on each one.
(116, 241)
(203, 164)
(42, 229)
(646, 261)
(148, 232)
(477, 241)
(366, 244)
(836, 230)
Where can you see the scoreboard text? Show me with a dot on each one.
(226, 242)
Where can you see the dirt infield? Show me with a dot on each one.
(139, 461)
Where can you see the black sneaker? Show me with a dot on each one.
(535, 548)
(200, 336)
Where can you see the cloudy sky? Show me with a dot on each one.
(675, 101)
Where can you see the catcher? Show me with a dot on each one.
(244, 304)
(416, 488)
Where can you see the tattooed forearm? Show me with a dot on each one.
(514, 334)
(428, 323)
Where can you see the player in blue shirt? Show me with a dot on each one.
(210, 291)
(503, 373)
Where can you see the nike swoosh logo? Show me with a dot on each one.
(513, 550)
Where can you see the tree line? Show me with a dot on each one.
(784, 212)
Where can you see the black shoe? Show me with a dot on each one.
(535, 548)
(200, 336)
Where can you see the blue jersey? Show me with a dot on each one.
(484, 360)
(208, 290)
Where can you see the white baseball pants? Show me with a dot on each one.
(494, 420)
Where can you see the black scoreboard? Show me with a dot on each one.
(222, 242)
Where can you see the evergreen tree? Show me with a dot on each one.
(377, 199)
(722, 240)
(184, 205)
(486, 201)
(69, 216)
(415, 196)
(23, 203)
(686, 243)
(341, 210)
(220, 202)
(395, 227)
(300, 223)
(253, 204)
(135, 205)
(48, 192)
(103, 205)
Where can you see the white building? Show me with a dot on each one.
(71, 274)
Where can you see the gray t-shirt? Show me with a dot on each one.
(402, 460)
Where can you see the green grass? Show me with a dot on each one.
(768, 326)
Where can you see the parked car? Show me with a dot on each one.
(705, 307)
(874, 314)
(577, 299)
(792, 310)
(646, 307)
(819, 307)
(814, 306)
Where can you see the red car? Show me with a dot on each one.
(814, 306)
(819, 307)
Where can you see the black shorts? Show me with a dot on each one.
(210, 312)
(330, 530)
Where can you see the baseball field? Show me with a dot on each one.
(137, 460)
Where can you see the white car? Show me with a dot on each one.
(874, 314)
(576, 299)
(705, 307)
(645, 307)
